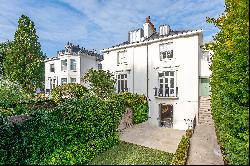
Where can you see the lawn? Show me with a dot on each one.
(131, 154)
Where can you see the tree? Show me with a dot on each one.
(3, 49)
(101, 82)
(230, 81)
(24, 61)
(11, 92)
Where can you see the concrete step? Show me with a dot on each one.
(205, 115)
(205, 110)
(205, 121)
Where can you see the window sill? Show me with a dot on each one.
(163, 97)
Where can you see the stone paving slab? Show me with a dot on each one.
(204, 148)
(144, 134)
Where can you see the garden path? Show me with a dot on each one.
(204, 148)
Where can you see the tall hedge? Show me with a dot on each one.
(230, 81)
(73, 132)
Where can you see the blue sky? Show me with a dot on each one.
(98, 24)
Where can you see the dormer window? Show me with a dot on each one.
(166, 51)
(121, 59)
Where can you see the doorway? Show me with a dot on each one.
(166, 115)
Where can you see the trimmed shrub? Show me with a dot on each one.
(181, 154)
(70, 90)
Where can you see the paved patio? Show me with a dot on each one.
(164, 139)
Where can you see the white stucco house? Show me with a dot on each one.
(169, 67)
(69, 66)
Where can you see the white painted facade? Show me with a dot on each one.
(79, 61)
(143, 65)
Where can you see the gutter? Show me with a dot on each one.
(154, 40)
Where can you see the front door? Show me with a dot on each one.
(166, 115)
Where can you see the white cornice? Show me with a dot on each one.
(194, 32)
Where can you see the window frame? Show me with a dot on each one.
(122, 82)
(71, 79)
(166, 84)
(65, 81)
(73, 64)
(52, 64)
(54, 83)
(64, 64)
(166, 51)
(121, 58)
(205, 56)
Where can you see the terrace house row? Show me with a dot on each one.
(69, 66)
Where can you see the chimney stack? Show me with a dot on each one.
(149, 28)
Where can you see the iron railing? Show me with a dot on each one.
(164, 92)
(123, 90)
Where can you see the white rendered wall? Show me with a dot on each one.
(83, 64)
(87, 62)
(186, 64)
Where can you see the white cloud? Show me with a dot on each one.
(118, 17)
(99, 24)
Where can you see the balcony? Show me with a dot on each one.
(165, 93)
(123, 90)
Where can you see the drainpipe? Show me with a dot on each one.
(147, 70)
(133, 70)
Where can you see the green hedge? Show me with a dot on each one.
(181, 154)
(230, 81)
(73, 132)
(138, 103)
(27, 107)
(65, 129)
(70, 90)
